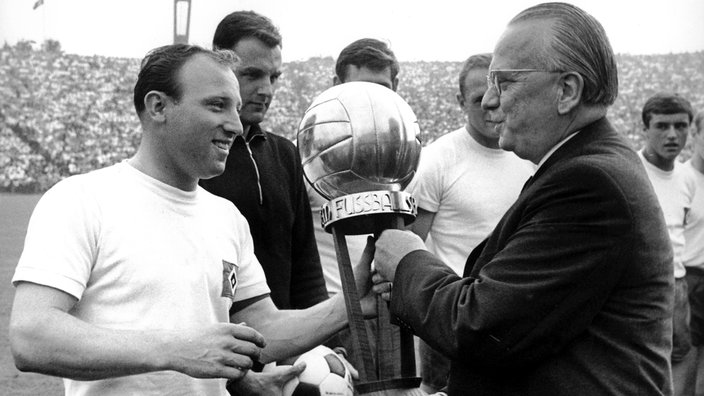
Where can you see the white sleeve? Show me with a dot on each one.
(61, 242)
(426, 186)
(251, 278)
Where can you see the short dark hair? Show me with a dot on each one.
(244, 24)
(579, 44)
(665, 103)
(367, 52)
(160, 67)
(473, 62)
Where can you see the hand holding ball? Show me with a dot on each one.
(325, 375)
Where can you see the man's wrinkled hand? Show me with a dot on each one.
(391, 246)
(381, 286)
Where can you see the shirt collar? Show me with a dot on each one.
(554, 148)
(254, 131)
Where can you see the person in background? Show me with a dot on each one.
(571, 293)
(693, 256)
(368, 60)
(464, 177)
(666, 120)
(263, 176)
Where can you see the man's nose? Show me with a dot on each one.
(266, 87)
(671, 132)
(490, 99)
(233, 124)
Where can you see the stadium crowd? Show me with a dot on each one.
(63, 114)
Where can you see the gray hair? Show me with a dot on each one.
(580, 45)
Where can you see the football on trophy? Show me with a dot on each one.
(325, 375)
(358, 137)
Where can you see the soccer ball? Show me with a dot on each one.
(325, 375)
(357, 137)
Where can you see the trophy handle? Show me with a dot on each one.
(358, 329)
(394, 344)
(391, 370)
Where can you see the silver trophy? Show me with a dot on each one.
(360, 148)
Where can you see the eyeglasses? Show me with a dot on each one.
(492, 78)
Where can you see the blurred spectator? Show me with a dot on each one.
(63, 114)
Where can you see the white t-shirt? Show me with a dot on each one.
(675, 191)
(140, 254)
(326, 245)
(469, 187)
(693, 255)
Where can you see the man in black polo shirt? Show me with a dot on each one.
(263, 175)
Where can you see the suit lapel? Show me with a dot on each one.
(574, 146)
(485, 251)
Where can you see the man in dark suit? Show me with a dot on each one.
(571, 294)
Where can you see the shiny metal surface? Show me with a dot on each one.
(358, 137)
(368, 212)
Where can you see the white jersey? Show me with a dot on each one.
(693, 255)
(675, 191)
(140, 254)
(469, 187)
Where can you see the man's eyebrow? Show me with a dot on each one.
(218, 97)
(250, 69)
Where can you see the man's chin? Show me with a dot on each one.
(215, 172)
(252, 118)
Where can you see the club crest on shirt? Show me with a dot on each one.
(229, 280)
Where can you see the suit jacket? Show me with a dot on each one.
(572, 292)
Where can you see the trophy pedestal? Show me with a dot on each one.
(390, 369)
(392, 387)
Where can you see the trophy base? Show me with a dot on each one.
(409, 386)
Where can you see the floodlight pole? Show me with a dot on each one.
(182, 21)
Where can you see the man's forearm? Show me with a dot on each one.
(64, 346)
(46, 339)
(292, 332)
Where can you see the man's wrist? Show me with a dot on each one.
(243, 386)
(163, 354)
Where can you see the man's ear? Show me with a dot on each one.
(336, 80)
(460, 100)
(570, 93)
(155, 104)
